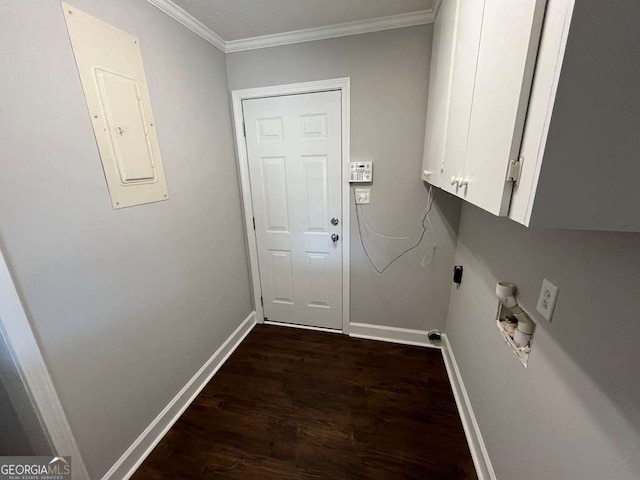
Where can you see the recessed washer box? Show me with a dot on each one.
(109, 62)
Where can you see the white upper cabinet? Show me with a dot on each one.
(439, 92)
(490, 55)
(506, 59)
(536, 112)
(465, 62)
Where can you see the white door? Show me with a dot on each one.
(294, 150)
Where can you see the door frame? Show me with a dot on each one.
(31, 367)
(237, 96)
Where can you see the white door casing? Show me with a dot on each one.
(294, 155)
(27, 357)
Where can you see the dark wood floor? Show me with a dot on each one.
(299, 404)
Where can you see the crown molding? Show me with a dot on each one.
(297, 36)
(435, 8)
(332, 31)
(190, 22)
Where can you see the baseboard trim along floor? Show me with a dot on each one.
(146, 442)
(405, 336)
(303, 327)
(479, 453)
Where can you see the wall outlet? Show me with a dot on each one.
(363, 196)
(547, 299)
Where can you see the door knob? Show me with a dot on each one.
(335, 237)
(334, 221)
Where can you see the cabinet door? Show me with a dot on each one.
(505, 63)
(467, 41)
(442, 56)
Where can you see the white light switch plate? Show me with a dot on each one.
(363, 196)
(547, 299)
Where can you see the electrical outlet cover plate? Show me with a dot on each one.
(363, 196)
(547, 299)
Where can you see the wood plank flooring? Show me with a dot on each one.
(300, 404)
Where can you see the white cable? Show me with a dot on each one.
(423, 217)
(391, 237)
(432, 250)
(433, 257)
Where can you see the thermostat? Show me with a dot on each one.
(360, 172)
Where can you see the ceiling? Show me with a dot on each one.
(239, 19)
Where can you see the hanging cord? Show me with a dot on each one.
(421, 223)
(391, 237)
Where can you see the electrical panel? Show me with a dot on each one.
(360, 172)
(115, 89)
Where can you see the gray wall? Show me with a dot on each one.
(13, 438)
(389, 72)
(21, 432)
(574, 413)
(127, 305)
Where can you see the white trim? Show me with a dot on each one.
(331, 31)
(26, 355)
(237, 96)
(405, 336)
(127, 464)
(302, 327)
(297, 36)
(190, 22)
(346, 206)
(481, 460)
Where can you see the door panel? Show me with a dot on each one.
(270, 129)
(274, 179)
(315, 182)
(281, 276)
(318, 265)
(294, 151)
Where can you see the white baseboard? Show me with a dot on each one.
(302, 327)
(146, 442)
(479, 453)
(405, 336)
